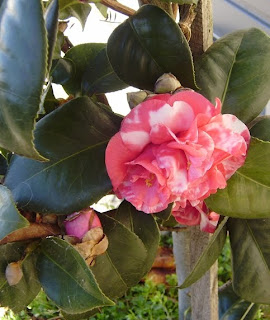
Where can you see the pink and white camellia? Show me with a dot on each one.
(176, 148)
(78, 223)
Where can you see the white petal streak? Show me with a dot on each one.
(135, 140)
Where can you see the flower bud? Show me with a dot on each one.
(166, 83)
(13, 273)
(86, 227)
(135, 98)
(78, 223)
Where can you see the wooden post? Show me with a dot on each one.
(204, 293)
(202, 28)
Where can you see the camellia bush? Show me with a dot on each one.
(192, 151)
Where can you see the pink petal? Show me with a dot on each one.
(116, 157)
(175, 164)
(148, 161)
(209, 222)
(146, 195)
(226, 131)
(198, 103)
(189, 216)
(152, 115)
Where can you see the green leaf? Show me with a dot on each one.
(164, 215)
(74, 137)
(122, 265)
(250, 244)
(236, 69)
(80, 316)
(58, 45)
(62, 71)
(99, 76)
(248, 190)
(22, 72)
(50, 102)
(148, 45)
(66, 278)
(17, 297)
(232, 307)
(51, 23)
(261, 128)
(74, 8)
(144, 226)
(81, 56)
(209, 255)
(102, 9)
(10, 218)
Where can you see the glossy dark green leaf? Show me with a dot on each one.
(144, 226)
(74, 136)
(261, 128)
(51, 23)
(250, 244)
(62, 71)
(99, 76)
(209, 255)
(81, 56)
(23, 57)
(232, 307)
(10, 218)
(66, 278)
(148, 45)
(17, 297)
(122, 266)
(236, 69)
(50, 102)
(74, 8)
(248, 191)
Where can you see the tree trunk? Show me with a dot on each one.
(204, 293)
(182, 257)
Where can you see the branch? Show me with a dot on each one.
(35, 230)
(113, 4)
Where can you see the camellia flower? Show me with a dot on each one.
(175, 148)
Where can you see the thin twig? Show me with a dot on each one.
(119, 7)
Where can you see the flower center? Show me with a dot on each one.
(188, 164)
(149, 181)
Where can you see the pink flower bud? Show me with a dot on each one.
(78, 223)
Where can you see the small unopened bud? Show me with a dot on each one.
(167, 83)
(86, 227)
(13, 273)
(78, 223)
(135, 98)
